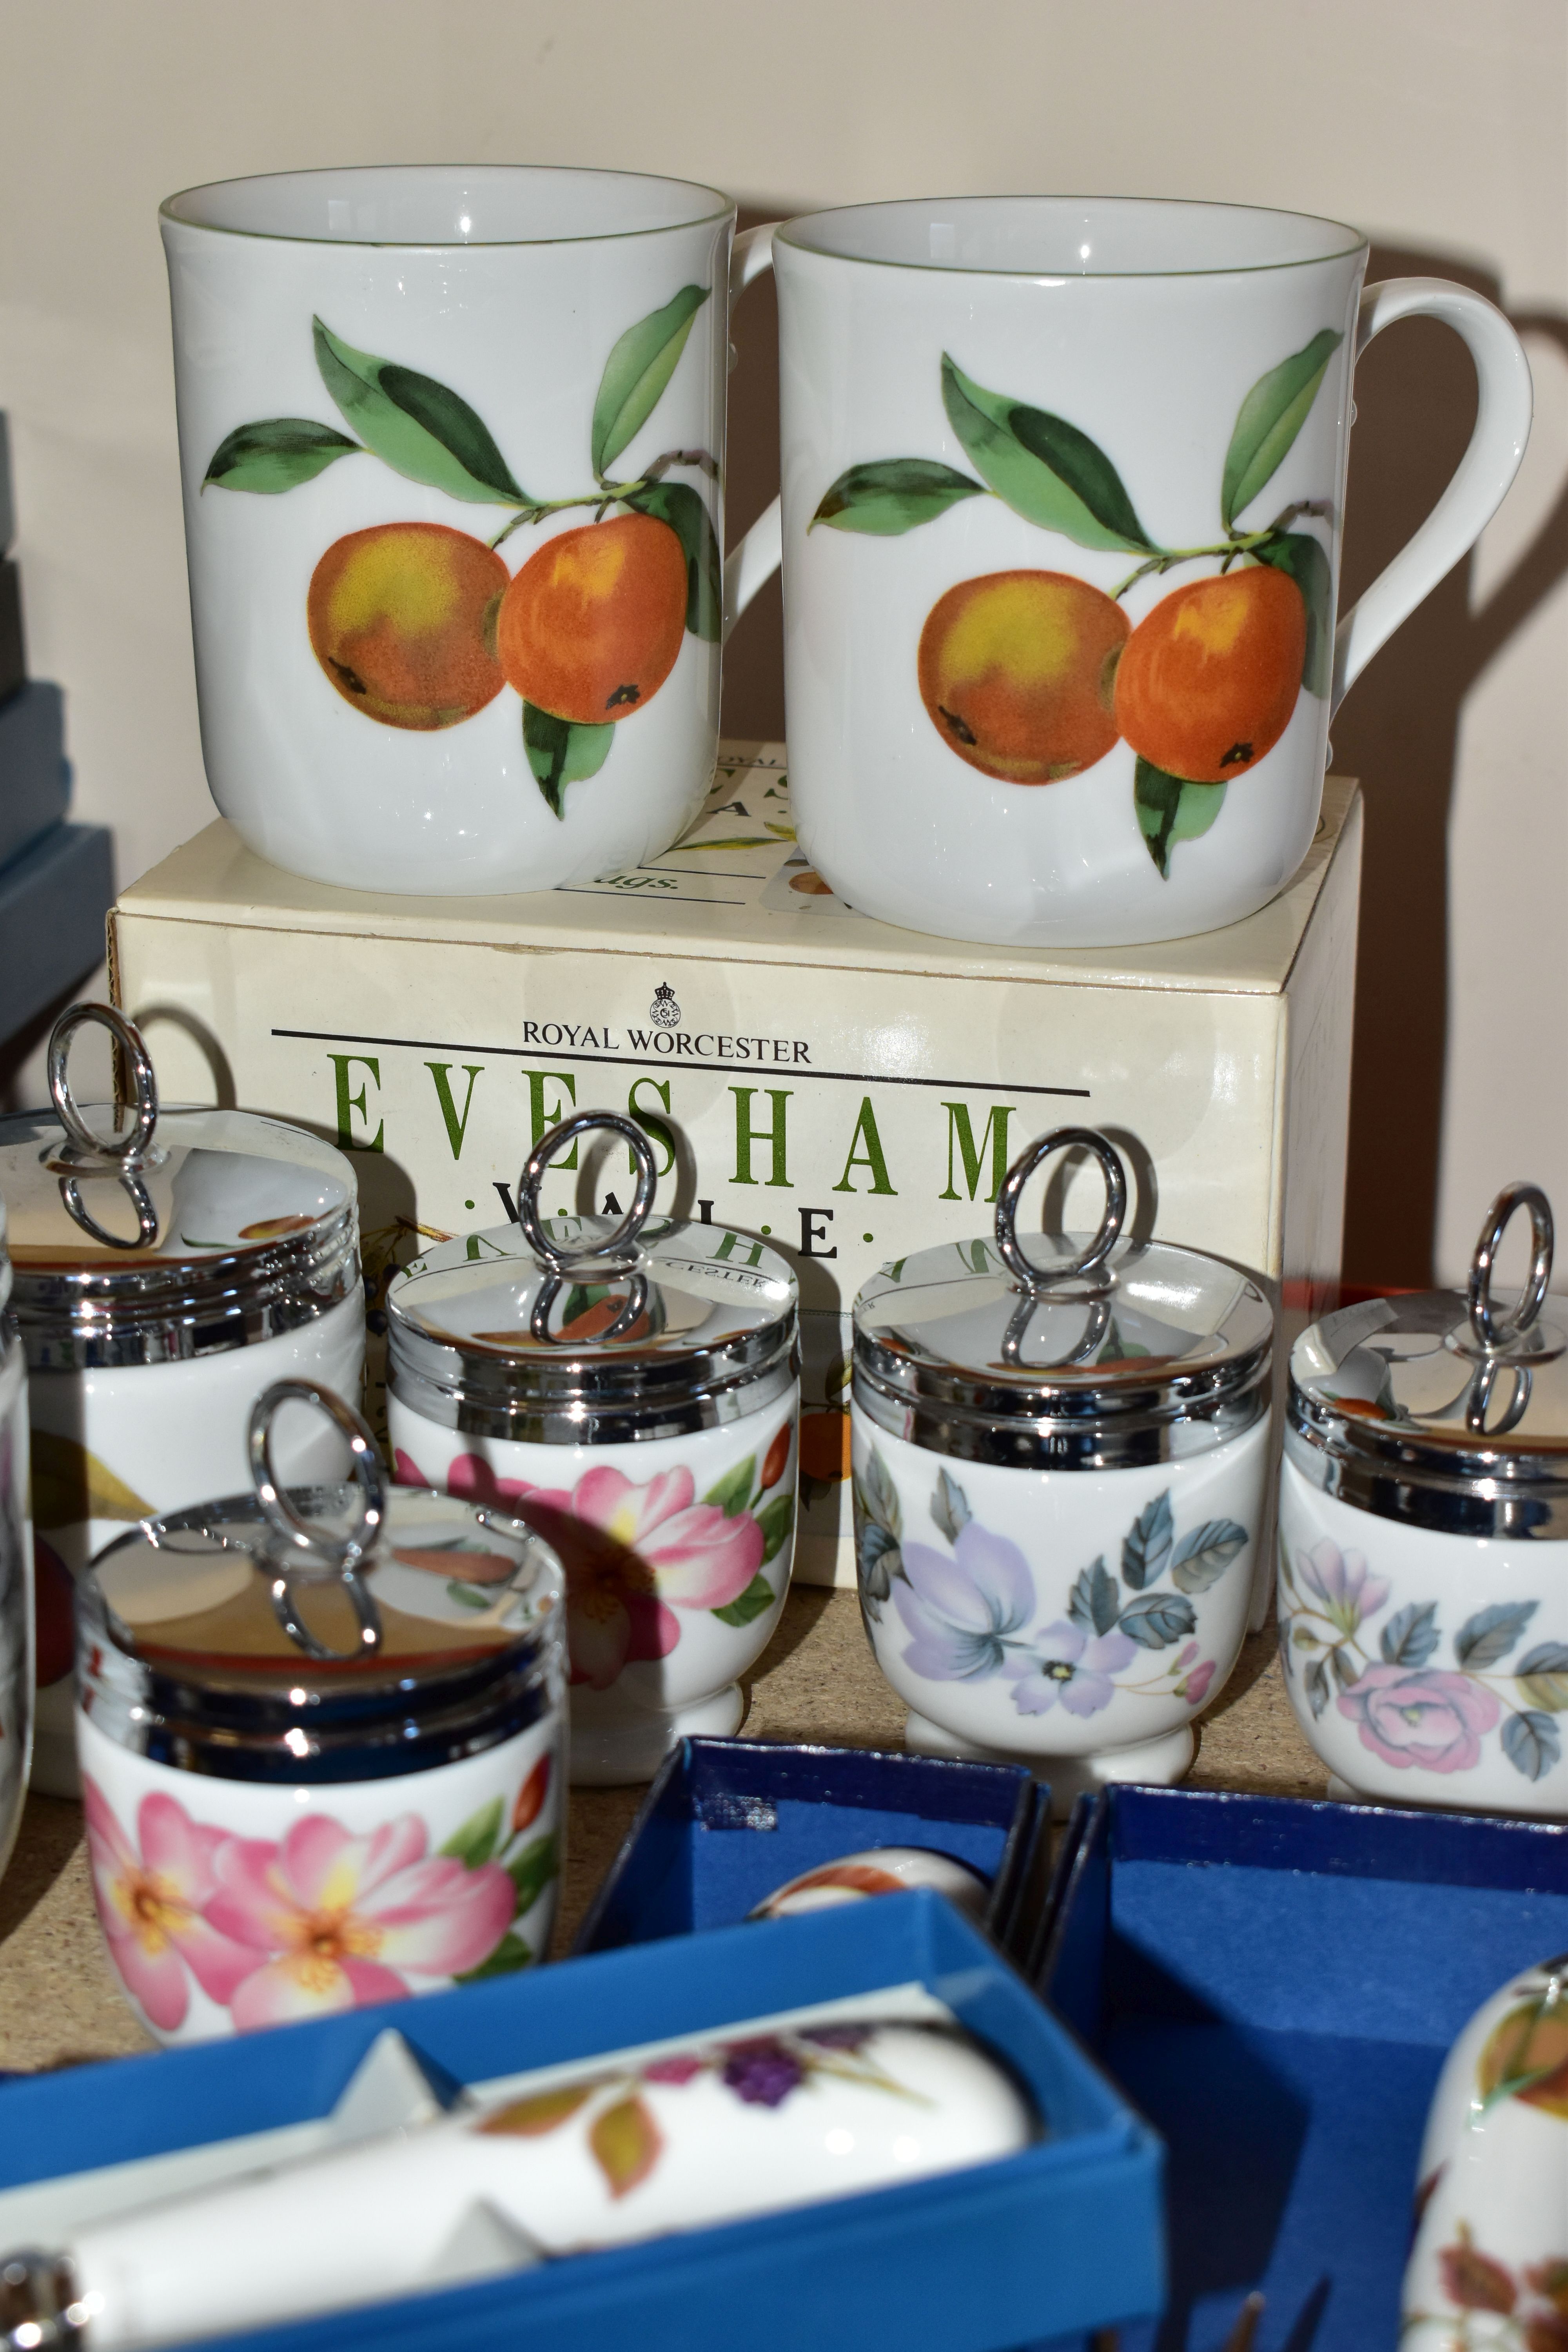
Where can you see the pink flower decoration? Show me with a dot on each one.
(333, 1921)
(151, 1904)
(1429, 1718)
(632, 1554)
(672, 2069)
(1195, 1688)
(1340, 1581)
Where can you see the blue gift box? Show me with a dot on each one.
(727, 1821)
(34, 782)
(1275, 1984)
(53, 901)
(1061, 2237)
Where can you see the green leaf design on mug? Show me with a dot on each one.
(1268, 421)
(420, 428)
(1171, 810)
(562, 752)
(682, 507)
(1306, 560)
(277, 454)
(1046, 469)
(775, 1520)
(758, 1596)
(892, 494)
(478, 1838)
(635, 374)
(535, 1868)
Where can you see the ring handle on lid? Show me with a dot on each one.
(127, 1149)
(1493, 1331)
(622, 1243)
(326, 1549)
(1039, 1279)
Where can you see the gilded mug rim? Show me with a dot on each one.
(169, 212)
(789, 234)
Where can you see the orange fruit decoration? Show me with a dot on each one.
(402, 619)
(590, 628)
(1016, 671)
(1210, 678)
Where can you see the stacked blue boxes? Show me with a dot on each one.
(56, 879)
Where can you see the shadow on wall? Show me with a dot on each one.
(1415, 399)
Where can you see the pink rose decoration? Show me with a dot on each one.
(151, 1904)
(1420, 1716)
(1195, 1688)
(331, 1921)
(632, 1554)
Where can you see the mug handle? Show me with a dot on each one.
(1483, 475)
(753, 561)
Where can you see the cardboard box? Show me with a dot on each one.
(1276, 1984)
(850, 1090)
(1064, 2236)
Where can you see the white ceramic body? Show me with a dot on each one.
(1492, 2242)
(688, 2147)
(978, 1635)
(1144, 326)
(16, 1592)
(371, 1902)
(652, 1659)
(160, 1437)
(1426, 1707)
(414, 267)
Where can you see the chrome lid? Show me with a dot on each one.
(1446, 1409)
(147, 1237)
(577, 1331)
(336, 1633)
(1098, 1354)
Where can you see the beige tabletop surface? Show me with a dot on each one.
(816, 1681)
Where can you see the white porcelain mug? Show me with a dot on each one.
(452, 442)
(1063, 487)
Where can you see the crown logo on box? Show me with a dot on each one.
(664, 1008)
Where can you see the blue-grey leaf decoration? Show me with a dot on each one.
(950, 1507)
(1492, 1632)
(1532, 1743)
(1202, 1558)
(1156, 1620)
(1146, 1545)
(1411, 1634)
(1318, 1688)
(1093, 1602)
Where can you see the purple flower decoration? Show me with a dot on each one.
(961, 1611)
(1073, 1667)
(1341, 1583)
(838, 2037)
(763, 2072)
